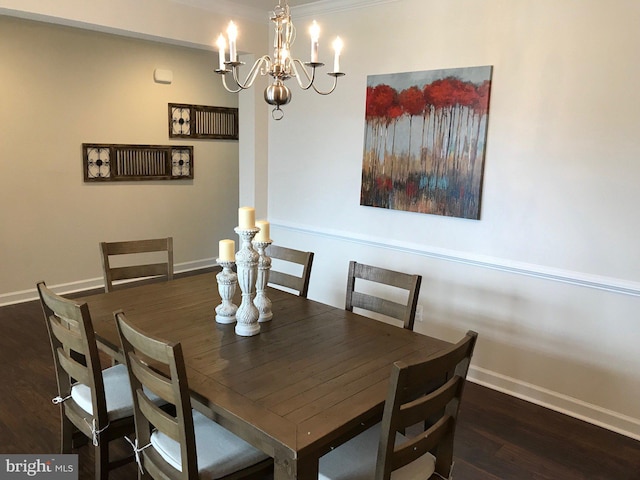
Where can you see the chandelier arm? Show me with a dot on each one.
(333, 87)
(253, 73)
(311, 78)
(224, 84)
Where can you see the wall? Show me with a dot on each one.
(63, 86)
(549, 275)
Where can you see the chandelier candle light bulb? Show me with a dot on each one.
(315, 36)
(232, 32)
(222, 45)
(337, 46)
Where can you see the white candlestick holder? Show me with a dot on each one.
(247, 261)
(262, 302)
(227, 282)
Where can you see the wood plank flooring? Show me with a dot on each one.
(499, 437)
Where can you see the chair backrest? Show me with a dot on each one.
(75, 356)
(304, 259)
(406, 312)
(158, 366)
(429, 392)
(161, 269)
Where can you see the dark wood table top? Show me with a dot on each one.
(314, 374)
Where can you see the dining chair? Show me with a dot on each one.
(95, 404)
(385, 450)
(405, 312)
(299, 283)
(187, 445)
(130, 271)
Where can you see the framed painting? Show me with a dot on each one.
(424, 141)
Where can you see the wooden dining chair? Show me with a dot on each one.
(405, 312)
(384, 449)
(187, 445)
(303, 260)
(130, 271)
(95, 404)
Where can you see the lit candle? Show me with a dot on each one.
(263, 234)
(337, 46)
(315, 36)
(226, 250)
(246, 218)
(232, 32)
(221, 47)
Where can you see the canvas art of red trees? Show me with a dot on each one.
(424, 143)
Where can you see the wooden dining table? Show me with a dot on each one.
(314, 376)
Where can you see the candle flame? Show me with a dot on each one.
(232, 31)
(337, 45)
(314, 30)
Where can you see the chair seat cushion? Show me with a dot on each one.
(356, 460)
(219, 451)
(117, 391)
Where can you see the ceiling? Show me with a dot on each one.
(269, 4)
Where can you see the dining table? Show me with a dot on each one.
(315, 376)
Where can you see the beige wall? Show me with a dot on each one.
(62, 86)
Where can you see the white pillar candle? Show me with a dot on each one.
(221, 43)
(263, 234)
(315, 36)
(246, 218)
(232, 32)
(337, 46)
(226, 250)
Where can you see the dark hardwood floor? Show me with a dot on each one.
(498, 437)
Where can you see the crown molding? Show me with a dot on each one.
(228, 7)
(336, 6)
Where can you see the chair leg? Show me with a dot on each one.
(67, 430)
(101, 453)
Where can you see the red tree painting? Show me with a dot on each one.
(425, 139)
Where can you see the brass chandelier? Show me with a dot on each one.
(282, 66)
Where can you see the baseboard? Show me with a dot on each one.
(91, 283)
(558, 402)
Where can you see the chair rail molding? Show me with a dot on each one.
(599, 282)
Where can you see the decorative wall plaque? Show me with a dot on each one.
(199, 121)
(108, 162)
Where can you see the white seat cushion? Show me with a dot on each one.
(356, 460)
(219, 451)
(117, 392)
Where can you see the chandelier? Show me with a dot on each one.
(281, 67)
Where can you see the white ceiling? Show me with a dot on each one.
(269, 4)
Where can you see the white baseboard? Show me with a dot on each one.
(91, 283)
(565, 404)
